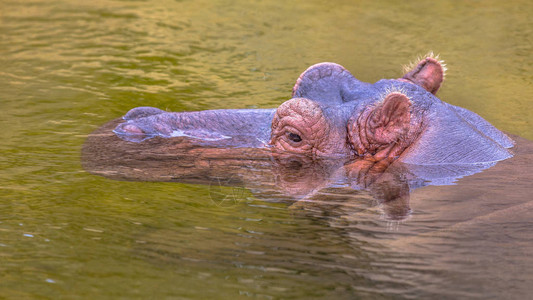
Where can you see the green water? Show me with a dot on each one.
(67, 67)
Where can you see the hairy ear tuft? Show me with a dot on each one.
(428, 72)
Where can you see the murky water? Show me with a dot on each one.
(67, 67)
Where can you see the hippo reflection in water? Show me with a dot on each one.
(386, 138)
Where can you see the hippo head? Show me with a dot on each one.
(332, 113)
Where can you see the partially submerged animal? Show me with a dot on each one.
(332, 114)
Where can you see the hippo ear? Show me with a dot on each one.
(384, 130)
(327, 83)
(427, 72)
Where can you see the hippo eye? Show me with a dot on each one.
(294, 137)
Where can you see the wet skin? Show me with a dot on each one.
(332, 114)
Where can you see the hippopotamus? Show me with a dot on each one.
(332, 114)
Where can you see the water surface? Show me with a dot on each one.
(67, 67)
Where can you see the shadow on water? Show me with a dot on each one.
(276, 177)
(430, 211)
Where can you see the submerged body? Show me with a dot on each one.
(332, 114)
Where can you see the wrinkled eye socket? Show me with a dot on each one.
(297, 125)
(294, 137)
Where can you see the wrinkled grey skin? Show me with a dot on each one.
(332, 114)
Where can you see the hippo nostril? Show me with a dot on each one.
(295, 137)
(131, 129)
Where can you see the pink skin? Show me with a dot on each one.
(379, 131)
(385, 130)
(428, 73)
(299, 126)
